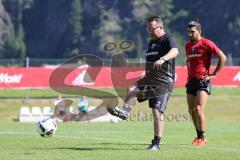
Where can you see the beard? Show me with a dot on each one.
(191, 38)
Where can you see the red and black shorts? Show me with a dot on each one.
(194, 85)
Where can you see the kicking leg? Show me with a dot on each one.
(130, 101)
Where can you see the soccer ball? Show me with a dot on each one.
(114, 119)
(47, 127)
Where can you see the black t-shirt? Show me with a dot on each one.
(156, 49)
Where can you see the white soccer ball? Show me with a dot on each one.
(47, 127)
(114, 119)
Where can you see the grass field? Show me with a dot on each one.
(127, 140)
(48, 93)
(122, 141)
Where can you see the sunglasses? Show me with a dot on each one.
(152, 29)
(193, 24)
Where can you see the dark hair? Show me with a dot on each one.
(194, 24)
(158, 19)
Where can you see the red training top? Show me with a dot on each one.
(199, 55)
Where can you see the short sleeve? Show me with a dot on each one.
(213, 47)
(172, 42)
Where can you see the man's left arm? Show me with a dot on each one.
(221, 61)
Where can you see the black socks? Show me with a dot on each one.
(200, 134)
(156, 140)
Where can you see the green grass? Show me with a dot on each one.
(30, 93)
(49, 93)
(126, 140)
(221, 102)
(121, 141)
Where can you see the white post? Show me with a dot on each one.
(27, 62)
(26, 90)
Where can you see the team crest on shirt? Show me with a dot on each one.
(193, 48)
(153, 45)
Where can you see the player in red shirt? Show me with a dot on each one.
(199, 53)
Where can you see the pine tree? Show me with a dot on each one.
(9, 48)
(21, 48)
(15, 45)
(74, 30)
(109, 29)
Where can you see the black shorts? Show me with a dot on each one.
(157, 93)
(195, 85)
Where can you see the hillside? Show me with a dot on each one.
(64, 28)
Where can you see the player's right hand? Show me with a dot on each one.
(158, 64)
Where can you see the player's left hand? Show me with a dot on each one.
(209, 77)
(158, 64)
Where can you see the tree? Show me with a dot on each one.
(74, 30)
(109, 29)
(13, 47)
(142, 9)
(15, 44)
(9, 48)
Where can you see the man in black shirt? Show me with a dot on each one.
(157, 84)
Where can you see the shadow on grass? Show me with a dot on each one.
(109, 146)
(102, 146)
(89, 148)
(120, 144)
